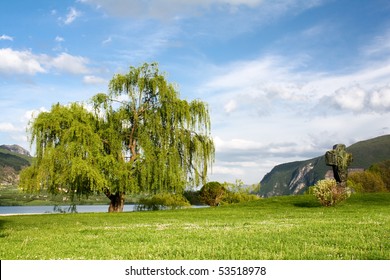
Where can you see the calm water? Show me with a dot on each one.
(13, 210)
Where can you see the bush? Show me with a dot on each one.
(237, 197)
(193, 197)
(212, 193)
(163, 201)
(383, 170)
(329, 193)
(355, 187)
(368, 181)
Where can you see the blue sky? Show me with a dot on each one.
(284, 79)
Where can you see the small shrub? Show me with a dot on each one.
(355, 187)
(163, 201)
(329, 193)
(236, 197)
(212, 193)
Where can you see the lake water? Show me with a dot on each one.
(14, 210)
(20, 210)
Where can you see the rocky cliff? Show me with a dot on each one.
(296, 177)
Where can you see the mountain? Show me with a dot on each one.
(13, 158)
(16, 149)
(296, 177)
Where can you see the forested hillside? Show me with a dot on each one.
(12, 159)
(296, 177)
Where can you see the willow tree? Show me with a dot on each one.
(71, 158)
(141, 137)
(165, 140)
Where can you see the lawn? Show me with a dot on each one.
(291, 227)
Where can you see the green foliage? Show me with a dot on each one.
(193, 197)
(383, 170)
(237, 192)
(239, 187)
(212, 193)
(163, 201)
(141, 137)
(236, 187)
(13, 160)
(70, 156)
(329, 193)
(367, 181)
(355, 187)
(166, 139)
(238, 197)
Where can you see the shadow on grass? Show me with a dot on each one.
(2, 234)
(307, 204)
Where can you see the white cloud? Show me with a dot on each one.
(28, 63)
(72, 15)
(108, 40)
(8, 127)
(306, 111)
(69, 63)
(352, 98)
(236, 144)
(6, 37)
(272, 84)
(19, 62)
(230, 106)
(31, 114)
(59, 39)
(90, 79)
(380, 99)
(223, 170)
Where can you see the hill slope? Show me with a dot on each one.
(296, 177)
(12, 159)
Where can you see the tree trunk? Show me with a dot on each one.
(117, 201)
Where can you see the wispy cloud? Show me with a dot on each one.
(107, 41)
(6, 38)
(59, 39)
(71, 16)
(274, 95)
(379, 46)
(8, 127)
(170, 9)
(93, 80)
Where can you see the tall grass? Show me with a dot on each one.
(294, 227)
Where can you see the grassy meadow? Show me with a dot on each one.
(279, 228)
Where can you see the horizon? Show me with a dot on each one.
(284, 80)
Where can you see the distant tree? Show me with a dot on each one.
(212, 193)
(141, 137)
(368, 181)
(383, 170)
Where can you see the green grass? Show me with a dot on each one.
(293, 227)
